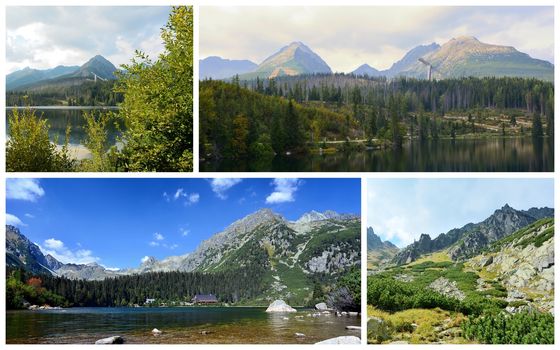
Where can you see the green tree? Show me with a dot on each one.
(29, 147)
(157, 107)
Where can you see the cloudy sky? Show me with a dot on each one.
(400, 210)
(44, 37)
(346, 37)
(118, 222)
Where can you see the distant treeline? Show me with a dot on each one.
(89, 93)
(534, 95)
(229, 286)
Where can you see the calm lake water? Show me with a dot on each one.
(217, 325)
(60, 117)
(489, 155)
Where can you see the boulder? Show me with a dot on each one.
(156, 331)
(299, 335)
(280, 306)
(354, 328)
(342, 340)
(321, 307)
(117, 339)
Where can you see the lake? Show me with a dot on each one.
(201, 325)
(471, 155)
(59, 117)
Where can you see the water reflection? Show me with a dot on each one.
(60, 118)
(488, 155)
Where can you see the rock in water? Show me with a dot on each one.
(280, 306)
(156, 331)
(117, 339)
(300, 335)
(321, 306)
(342, 340)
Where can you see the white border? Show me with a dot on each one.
(364, 176)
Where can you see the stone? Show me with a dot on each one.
(156, 331)
(117, 339)
(280, 306)
(354, 328)
(342, 340)
(353, 314)
(299, 335)
(321, 306)
(448, 288)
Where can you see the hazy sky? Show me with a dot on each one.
(400, 210)
(346, 37)
(44, 37)
(117, 222)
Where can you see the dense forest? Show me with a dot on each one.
(260, 118)
(156, 109)
(229, 286)
(101, 93)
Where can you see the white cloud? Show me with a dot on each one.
(193, 198)
(31, 216)
(284, 190)
(158, 236)
(145, 258)
(221, 185)
(166, 196)
(153, 244)
(55, 244)
(179, 193)
(111, 268)
(14, 220)
(24, 189)
(184, 232)
(65, 255)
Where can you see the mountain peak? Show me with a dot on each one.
(294, 59)
(466, 38)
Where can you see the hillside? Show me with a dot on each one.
(502, 294)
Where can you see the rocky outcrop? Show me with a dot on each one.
(448, 288)
(117, 339)
(524, 263)
(342, 340)
(280, 306)
(321, 307)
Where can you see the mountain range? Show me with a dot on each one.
(459, 57)
(33, 79)
(325, 243)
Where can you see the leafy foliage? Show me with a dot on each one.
(157, 107)
(18, 292)
(502, 328)
(29, 148)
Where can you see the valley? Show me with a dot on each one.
(490, 282)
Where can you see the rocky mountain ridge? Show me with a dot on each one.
(309, 245)
(471, 239)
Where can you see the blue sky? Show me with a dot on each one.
(116, 222)
(47, 36)
(400, 210)
(347, 37)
